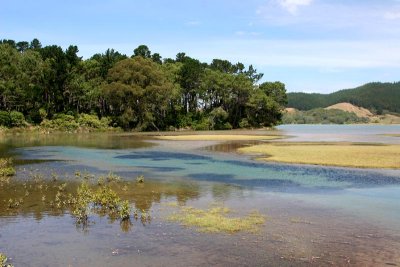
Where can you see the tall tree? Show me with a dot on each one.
(138, 93)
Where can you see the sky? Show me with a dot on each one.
(310, 45)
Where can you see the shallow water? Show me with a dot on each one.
(347, 133)
(315, 215)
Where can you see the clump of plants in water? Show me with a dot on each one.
(217, 220)
(6, 170)
(90, 195)
(3, 261)
(140, 179)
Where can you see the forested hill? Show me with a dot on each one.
(141, 91)
(376, 96)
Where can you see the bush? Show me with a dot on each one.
(244, 123)
(61, 122)
(5, 118)
(93, 121)
(201, 125)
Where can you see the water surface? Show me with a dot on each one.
(315, 215)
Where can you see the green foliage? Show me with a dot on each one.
(373, 96)
(56, 88)
(5, 119)
(124, 210)
(17, 118)
(322, 116)
(12, 119)
(65, 122)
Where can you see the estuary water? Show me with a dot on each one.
(315, 215)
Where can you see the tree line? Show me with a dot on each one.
(143, 91)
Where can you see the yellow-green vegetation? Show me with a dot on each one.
(6, 170)
(3, 261)
(140, 179)
(83, 198)
(217, 137)
(217, 220)
(334, 154)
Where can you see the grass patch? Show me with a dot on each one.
(217, 220)
(340, 154)
(217, 137)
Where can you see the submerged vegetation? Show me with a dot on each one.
(57, 89)
(217, 220)
(336, 154)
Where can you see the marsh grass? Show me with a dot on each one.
(217, 220)
(333, 154)
(217, 137)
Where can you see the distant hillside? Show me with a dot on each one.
(360, 112)
(377, 97)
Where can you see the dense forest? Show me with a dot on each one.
(377, 97)
(322, 116)
(43, 84)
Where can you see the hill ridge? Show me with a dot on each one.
(375, 96)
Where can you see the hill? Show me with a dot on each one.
(377, 97)
(360, 112)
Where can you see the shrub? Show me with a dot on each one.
(244, 123)
(93, 121)
(5, 119)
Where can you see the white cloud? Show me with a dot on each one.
(392, 15)
(292, 5)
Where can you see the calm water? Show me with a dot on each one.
(315, 215)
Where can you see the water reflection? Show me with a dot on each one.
(40, 196)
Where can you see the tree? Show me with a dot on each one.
(142, 51)
(190, 79)
(35, 44)
(156, 58)
(22, 46)
(138, 93)
(277, 91)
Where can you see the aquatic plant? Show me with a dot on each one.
(124, 210)
(111, 177)
(81, 204)
(3, 261)
(6, 169)
(140, 179)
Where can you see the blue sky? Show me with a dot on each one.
(310, 45)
